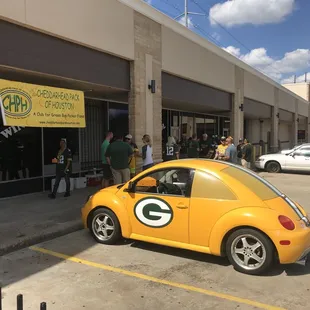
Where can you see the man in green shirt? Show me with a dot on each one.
(106, 170)
(193, 147)
(117, 156)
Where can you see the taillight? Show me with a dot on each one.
(286, 222)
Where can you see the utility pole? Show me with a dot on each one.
(187, 13)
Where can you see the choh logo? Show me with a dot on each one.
(16, 103)
(153, 212)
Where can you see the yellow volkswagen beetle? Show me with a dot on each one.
(206, 206)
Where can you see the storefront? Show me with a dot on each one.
(27, 150)
(184, 124)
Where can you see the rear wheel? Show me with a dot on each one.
(250, 251)
(104, 226)
(273, 167)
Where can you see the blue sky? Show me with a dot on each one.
(271, 35)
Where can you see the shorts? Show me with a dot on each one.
(106, 171)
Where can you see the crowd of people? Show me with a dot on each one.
(120, 157)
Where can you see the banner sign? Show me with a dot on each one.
(31, 105)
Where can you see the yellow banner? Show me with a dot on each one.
(40, 106)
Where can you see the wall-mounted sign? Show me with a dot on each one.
(40, 106)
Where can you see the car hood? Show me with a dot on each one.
(286, 151)
(273, 156)
(112, 189)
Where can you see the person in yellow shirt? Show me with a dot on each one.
(221, 149)
(132, 160)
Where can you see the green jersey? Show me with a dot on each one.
(104, 147)
(193, 149)
(119, 153)
(63, 157)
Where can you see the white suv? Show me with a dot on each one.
(296, 159)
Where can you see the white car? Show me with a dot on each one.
(297, 159)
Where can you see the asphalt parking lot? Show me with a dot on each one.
(73, 272)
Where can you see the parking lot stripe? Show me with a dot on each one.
(156, 280)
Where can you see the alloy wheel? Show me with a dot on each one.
(103, 226)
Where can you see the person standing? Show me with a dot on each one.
(118, 155)
(147, 152)
(231, 151)
(132, 159)
(204, 146)
(193, 147)
(221, 149)
(172, 150)
(246, 154)
(106, 170)
(239, 151)
(63, 163)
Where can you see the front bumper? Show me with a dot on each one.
(260, 164)
(299, 247)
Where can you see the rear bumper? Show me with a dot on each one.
(299, 247)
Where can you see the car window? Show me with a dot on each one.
(166, 182)
(263, 189)
(303, 151)
(206, 185)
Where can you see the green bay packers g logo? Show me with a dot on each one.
(153, 212)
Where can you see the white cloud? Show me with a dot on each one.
(299, 79)
(291, 63)
(216, 36)
(182, 21)
(257, 12)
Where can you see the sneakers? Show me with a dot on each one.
(52, 196)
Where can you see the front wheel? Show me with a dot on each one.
(273, 167)
(250, 251)
(104, 226)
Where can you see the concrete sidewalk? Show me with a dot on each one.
(29, 219)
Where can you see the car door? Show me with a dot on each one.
(211, 198)
(302, 158)
(158, 205)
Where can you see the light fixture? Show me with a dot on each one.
(152, 86)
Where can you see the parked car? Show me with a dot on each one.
(296, 159)
(206, 206)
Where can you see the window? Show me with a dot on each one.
(166, 182)
(263, 189)
(207, 186)
(303, 151)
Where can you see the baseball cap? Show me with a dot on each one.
(129, 136)
(64, 140)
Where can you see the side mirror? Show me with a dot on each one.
(130, 187)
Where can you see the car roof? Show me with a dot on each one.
(199, 163)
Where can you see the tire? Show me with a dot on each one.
(273, 167)
(110, 231)
(243, 255)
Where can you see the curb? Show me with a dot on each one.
(44, 236)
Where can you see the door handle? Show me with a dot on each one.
(181, 206)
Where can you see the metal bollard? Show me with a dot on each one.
(20, 303)
(43, 306)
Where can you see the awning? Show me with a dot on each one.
(32, 105)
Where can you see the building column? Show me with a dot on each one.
(294, 139)
(145, 107)
(261, 130)
(275, 123)
(237, 114)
